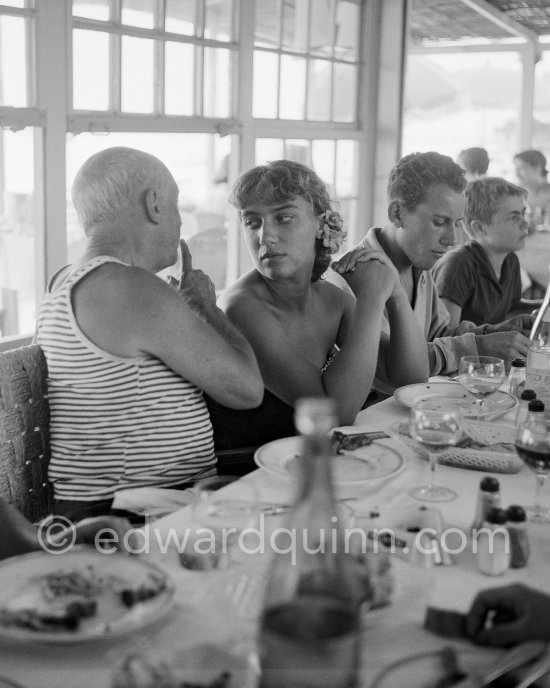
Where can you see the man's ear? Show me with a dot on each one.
(475, 227)
(394, 213)
(152, 206)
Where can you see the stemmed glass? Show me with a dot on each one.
(435, 428)
(481, 376)
(533, 446)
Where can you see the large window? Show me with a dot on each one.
(541, 114)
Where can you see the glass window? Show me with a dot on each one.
(18, 223)
(293, 87)
(90, 70)
(217, 80)
(322, 160)
(267, 23)
(295, 25)
(179, 80)
(321, 27)
(139, 13)
(347, 30)
(462, 100)
(218, 20)
(346, 169)
(541, 114)
(318, 94)
(344, 92)
(137, 75)
(92, 9)
(199, 165)
(268, 149)
(13, 63)
(180, 17)
(13, 3)
(265, 89)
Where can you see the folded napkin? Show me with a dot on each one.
(152, 501)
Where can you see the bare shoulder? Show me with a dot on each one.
(244, 294)
(332, 296)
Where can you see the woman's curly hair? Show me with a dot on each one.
(279, 181)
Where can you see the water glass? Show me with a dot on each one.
(481, 376)
(436, 429)
(533, 447)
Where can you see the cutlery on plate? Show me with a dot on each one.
(537, 670)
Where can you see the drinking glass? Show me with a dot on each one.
(533, 447)
(481, 376)
(435, 428)
(223, 508)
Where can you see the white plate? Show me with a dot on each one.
(453, 392)
(363, 467)
(424, 669)
(21, 589)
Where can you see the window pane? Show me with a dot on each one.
(322, 27)
(195, 160)
(268, 13)
(218, 20)
(295, 25)
(179, 85)
(345, 91)
(13, 3)
(318, 97)
(293, 87)
(13, 62)
(139, 13)
(322, 160)
(541, 134)
(17, 233)
(91, 9)
(217, 82)
(298, 150)
(268, 149)
(347, 30)
(180, 17)
(137, 74)
(266, 68)
(346, 168)
(90, 70)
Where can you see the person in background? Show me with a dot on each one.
(474, 162)
(508, 615)
(532, 174)
(310, 338)
(128, 354)
(480, 280)
(426, 204)
(19, 536)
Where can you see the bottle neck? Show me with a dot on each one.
(316, 475)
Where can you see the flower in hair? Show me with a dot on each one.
(332, 230)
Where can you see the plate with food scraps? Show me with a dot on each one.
(363, 468)
(79, 596)
(448, 393)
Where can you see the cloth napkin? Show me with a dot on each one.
(152, 501)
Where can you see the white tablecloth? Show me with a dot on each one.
(221, 607)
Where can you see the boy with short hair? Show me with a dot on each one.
(480, 281)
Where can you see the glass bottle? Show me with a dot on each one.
(488, 498)
(519, 542)
(309, 630)
(523, 407)
(538, 355)
(493, 544)
(516, 377)
(536, 414)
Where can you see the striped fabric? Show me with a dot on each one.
(116, 422)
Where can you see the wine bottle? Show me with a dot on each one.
(309, 630)
(538, 355)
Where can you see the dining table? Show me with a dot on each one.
(214, 616)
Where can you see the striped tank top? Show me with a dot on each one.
(115, 422)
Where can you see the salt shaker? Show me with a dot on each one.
(535, 414)
(519, 542)
(488, 498)
(516, 377)
(525, 397)
(493, 544)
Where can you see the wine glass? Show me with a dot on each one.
(533, 447)
(435, 428)
(481, 376)
(224, 507)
